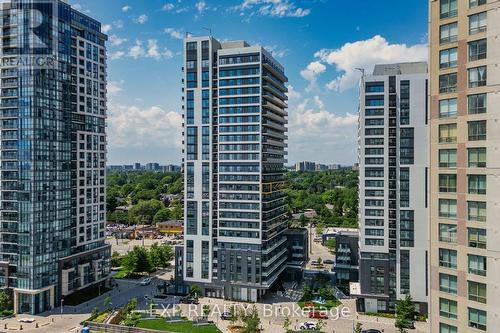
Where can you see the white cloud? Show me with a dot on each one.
(292, 93)
(155, 52)
(273, 8)
(116, 55)
(176, 34)
(141, 19)
(116, 41)
(311, 73)
(276, 51)
(366, 54)
(151, 50)
(137, 50)
(320, 135)
(149, 128)
(168, 7)
(115, 87)
(201, 6)
(106, 28)
(126, 8)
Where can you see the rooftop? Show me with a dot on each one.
(401, 68)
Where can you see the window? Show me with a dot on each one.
(447, 233)
(448, 83)
(477, 265)
(448, 158)
(477, 77)
(477, 319)
(477, 157)
(448, 258)
(477, 238)
(477, 130)
(477, 103)
(374, 87)
(476, 211)
(476, 3)
(448, 283)
(448, 33)
(374, 232)
(448, 108)
(447, 183)
(477, 292)
(448, 8)
(448, 208)
(374, 112)
(374, 100)
(477, 184)
(445, 328)
(374, 242)
(477, 23)
(448, 58)
(448, 133)
(477, 50)
(447, 308)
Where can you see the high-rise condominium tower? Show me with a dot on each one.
(464, 165)
(393, 155)
(234, 155)
(52, 153)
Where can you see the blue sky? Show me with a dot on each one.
(320, 43)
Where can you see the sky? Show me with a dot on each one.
(319, 42)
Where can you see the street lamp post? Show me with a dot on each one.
(62, 306)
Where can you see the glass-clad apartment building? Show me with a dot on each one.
(52, 153)
(234, 154)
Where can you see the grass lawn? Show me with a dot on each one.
(180, 327)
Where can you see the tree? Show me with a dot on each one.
(107, 302)
(160, 255)
(326, 293)
(303, 220)
(358, 328)
(251, 321)
(320, 261)
(287, 323)
(195, 291)
(137, 261)
(145, 211)
(320, 325)
(405, 313)
(5, 302)
(306, 294)
(206, 309)
(162, 215)
(233, 315)
(116, 259)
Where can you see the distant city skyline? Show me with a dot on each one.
(144, 122)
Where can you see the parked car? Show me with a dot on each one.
(371, 331)
(189, 300)
(308, 325)
(225, 316)
(328, 261)
(318, 315)
(146, 282)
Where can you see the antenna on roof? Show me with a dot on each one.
(209, 30)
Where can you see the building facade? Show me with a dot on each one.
(346, 267)
(234, 154)
(464, 165)
(305, 166)
(393, 159)
(53, 155)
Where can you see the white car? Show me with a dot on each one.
(308, 325)
(146, 282)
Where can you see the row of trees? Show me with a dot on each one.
(315, 190)
(148, 212)
(249, 319)
(143, 260)
(140, 186)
